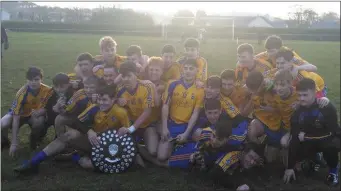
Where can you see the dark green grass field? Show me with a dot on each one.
(57, 53)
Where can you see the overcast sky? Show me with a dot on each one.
(276, 9)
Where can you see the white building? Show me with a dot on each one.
(259, 22)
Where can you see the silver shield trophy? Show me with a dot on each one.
(114, 154)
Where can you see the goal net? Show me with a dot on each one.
(211, 26)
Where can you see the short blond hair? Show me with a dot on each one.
(154, 60)
(107, 41)
(283, 75)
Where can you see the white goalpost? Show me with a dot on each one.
(165, 23)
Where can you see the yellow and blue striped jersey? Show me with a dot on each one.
(100, 121)
(26, 101)
(141, 98)
(182, 100)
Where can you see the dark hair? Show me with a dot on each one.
(109, 90)
(223, 128)
(254, 80)
(212, 104)
(245, 48)
(283, 75)
(258, 148)
(128, 66)
(168, 48)
(92, 80)
(191, 62)
(134, 49)
(192, 43)
(213, 81)
(288, 55)
(306, 84)
(60, 79)
(33, 72)
(273, 42)
(85, 56)
(228, 74)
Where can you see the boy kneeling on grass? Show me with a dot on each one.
(99, 117)
(27, 108)
(62, 92)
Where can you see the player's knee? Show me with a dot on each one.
(67, 136)
(255, 128)
(285, 141)
(6, 121)
(162, 156)
(38, 121)
(60, 120)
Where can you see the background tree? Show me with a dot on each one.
(183, 21)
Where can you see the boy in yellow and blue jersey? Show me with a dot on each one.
(286, 99)
(182, 102)
(140, 102)
(171, 68)
(284, 62)
(80, 100)
(224, 134)
(192, 52)
(94, 120)
(248, 63)
(273, 44)
(237, 93)
(109, 56)
(213, 91)
(313, 130)
(27, 108)
(267, 119)
(84, 65)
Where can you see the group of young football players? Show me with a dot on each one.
(272, 107)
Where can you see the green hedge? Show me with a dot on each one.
(175, 31)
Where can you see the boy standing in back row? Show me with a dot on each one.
(273, 44)
(192, 52)
(109, 56)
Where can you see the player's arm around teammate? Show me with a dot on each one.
(77, 104)
(140, 98)
(273, 44)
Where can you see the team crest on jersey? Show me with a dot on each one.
(69, 102)
(228, 162)
(192, 97)
(232, 108)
